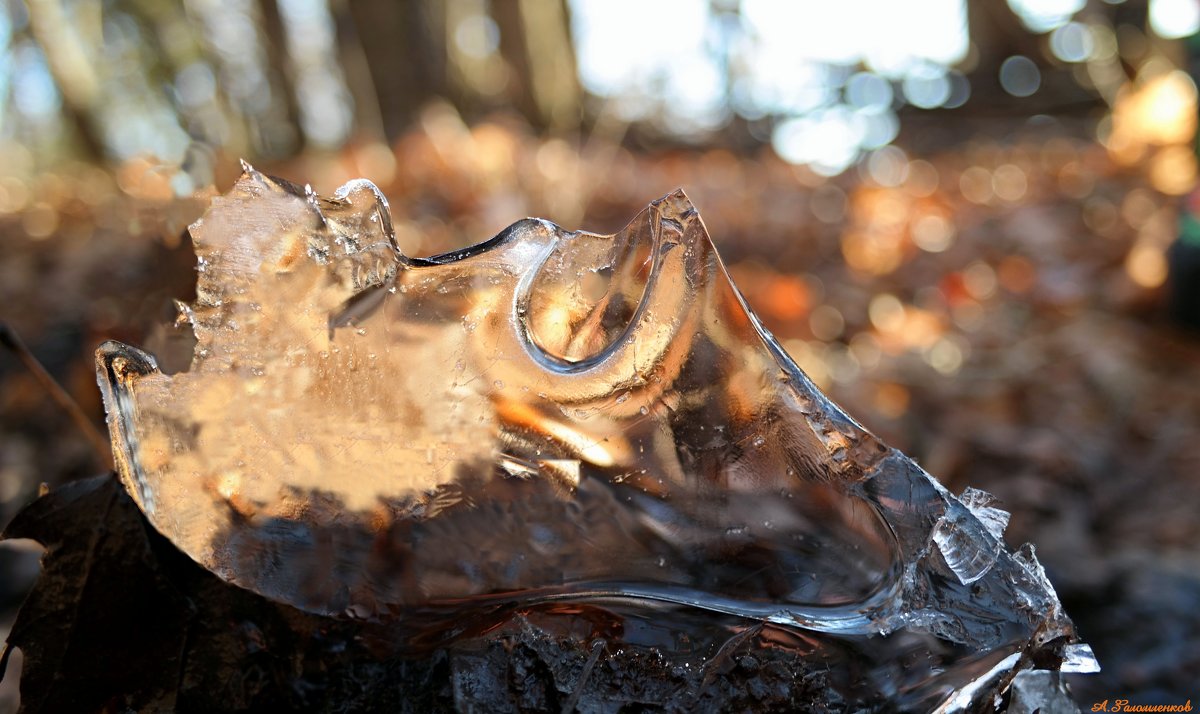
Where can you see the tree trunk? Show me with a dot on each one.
(405, 49)
(535, 40)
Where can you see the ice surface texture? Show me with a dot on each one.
(546, 415)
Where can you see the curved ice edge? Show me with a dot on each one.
(660, 207)
(856, 619)
(965, 696)
(114, 362)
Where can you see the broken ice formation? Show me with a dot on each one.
(549, 415)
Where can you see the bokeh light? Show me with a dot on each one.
(1173, 19)
(1045, 15)
(1019, 76)
(1072, 42)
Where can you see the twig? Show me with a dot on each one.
(10, 340)
(726, 652)
(573, 700)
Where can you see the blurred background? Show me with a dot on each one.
(968, 220)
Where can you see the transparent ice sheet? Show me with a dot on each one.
(549, 415)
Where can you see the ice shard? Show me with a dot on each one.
(548, 415)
